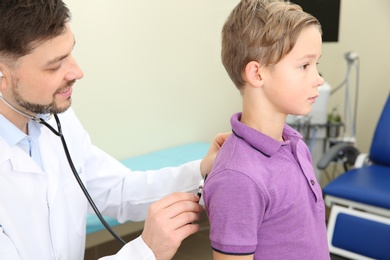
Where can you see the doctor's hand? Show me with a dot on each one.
(208, 160)
(167, 223)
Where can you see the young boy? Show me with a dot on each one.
(262, 197)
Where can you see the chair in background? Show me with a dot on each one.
(359, 222)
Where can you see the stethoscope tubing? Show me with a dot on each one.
(70, 161)
(76, 175)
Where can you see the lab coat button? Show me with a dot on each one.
(312, 182)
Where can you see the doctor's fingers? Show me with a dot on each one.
(166, 227)
(184, 231)
(177, 214)
(182, 216)
(208, 161)
(163, 241)
(220, 138)
(172, 199)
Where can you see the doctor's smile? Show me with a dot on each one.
(65, 93)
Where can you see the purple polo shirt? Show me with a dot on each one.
(262, 197)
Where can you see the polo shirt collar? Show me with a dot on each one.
(259, 141)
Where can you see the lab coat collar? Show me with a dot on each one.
(11, 136)
(20, 160)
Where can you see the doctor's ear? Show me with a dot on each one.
(253, 74)
(3, 82)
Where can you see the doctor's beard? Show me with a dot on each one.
(51, 108)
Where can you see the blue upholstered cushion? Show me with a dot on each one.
(380, 146)
(173, 156)
(362, 236)
(368, 185)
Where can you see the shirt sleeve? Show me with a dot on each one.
(130, 195)
(235, 207)
(135, 249)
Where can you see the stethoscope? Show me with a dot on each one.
(58, 132)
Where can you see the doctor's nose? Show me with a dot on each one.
(75, 72)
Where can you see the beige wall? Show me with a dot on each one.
(153, 76)
(364, 29)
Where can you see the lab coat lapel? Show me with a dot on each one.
(53, 159)
(56, 168)
(20, 161)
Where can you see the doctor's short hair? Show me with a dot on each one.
(25, 24)
(263, 31)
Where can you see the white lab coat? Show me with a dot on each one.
(43, 212)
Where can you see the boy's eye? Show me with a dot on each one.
(304, 66)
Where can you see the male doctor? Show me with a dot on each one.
(43, 210)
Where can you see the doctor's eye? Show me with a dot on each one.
(55, 68)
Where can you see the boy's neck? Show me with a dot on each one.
(266, 124)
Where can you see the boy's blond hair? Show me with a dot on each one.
(263, 31)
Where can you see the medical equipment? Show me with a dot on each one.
(58, 132)
(349, 116)
(201, 185)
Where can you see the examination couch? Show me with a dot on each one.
(170, 157)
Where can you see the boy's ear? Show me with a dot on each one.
(253, 74)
